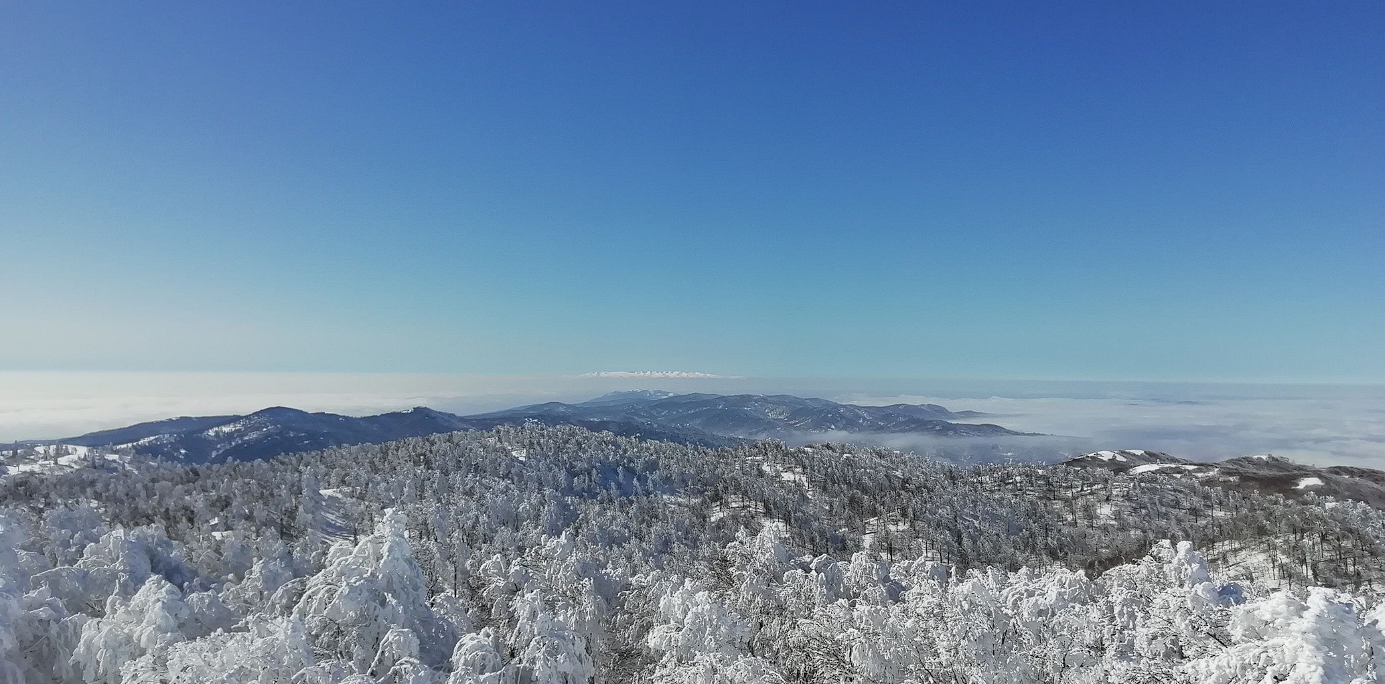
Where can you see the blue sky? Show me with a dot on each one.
(1162, 191)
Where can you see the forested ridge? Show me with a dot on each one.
(538, 554)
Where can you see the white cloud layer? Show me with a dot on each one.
(1319, 427)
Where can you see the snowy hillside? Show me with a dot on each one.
(56, 458)
(555, 554)
(1263, 473)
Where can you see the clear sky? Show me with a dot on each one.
(1094, 190)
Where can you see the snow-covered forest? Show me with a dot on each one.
(537, 555)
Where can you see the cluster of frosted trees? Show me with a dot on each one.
(556, 555)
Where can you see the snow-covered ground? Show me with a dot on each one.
(51, 458)
(1152, 467)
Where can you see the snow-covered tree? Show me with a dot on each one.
(368, 592)
(536, 554)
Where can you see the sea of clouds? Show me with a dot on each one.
(1322, 425)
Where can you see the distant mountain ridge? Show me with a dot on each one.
(758, 416)
(701, 419)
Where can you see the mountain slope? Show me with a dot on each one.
(278, 430)
(134, 433)
(758, 416)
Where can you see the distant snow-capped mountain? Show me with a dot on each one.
(700, 419)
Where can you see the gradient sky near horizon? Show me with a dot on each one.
(1077, 190)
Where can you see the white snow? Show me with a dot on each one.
(786, 474)
(1308, 482)
(52, 458)
(225, 429)
(1118, 456)
(735, 504)
(1151, 467)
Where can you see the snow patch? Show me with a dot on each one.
(1151, 467)
(1117, 456)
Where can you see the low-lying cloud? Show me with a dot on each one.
(1326, 427)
